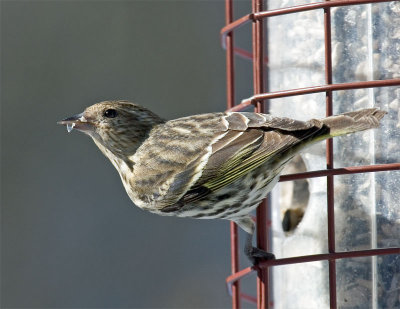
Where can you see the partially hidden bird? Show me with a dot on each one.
(207, 166)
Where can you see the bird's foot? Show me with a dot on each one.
(257, 255)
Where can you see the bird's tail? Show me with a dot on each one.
(333, 126)
(351, 122)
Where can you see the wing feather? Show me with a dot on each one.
(267, 137)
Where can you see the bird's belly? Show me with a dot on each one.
(235, 200)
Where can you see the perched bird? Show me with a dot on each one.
(208, 166)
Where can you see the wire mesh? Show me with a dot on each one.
(258, 100)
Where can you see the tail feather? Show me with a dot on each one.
(353, 121)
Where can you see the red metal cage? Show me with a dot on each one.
(257, 18)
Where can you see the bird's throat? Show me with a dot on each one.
(122, 163)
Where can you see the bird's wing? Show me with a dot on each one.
(256, 138)
(186, 159)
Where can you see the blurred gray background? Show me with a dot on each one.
(70, 236)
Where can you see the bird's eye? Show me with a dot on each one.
(110, 113)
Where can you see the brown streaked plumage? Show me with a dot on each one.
(217, 165)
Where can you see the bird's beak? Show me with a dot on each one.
(78, 122)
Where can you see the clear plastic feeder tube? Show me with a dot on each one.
(365, 46)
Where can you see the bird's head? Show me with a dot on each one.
(118, 126)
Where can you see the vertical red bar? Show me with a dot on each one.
(230, 72)
(230, 96)
(235, 265)
(263, 274)
(329, 161)
(262, 214)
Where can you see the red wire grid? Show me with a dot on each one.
(256, 17)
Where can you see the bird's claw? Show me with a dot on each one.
(257, 255)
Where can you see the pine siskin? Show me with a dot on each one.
(217, 165)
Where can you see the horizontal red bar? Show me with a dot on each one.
(313, 6)
(315, 89)
(312, 258)
(240, 107)
(249, 298)
(330, 256)
(234, 25)
(294, 9)
(243, 53)
(342, 171)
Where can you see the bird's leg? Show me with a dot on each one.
(254, 254)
